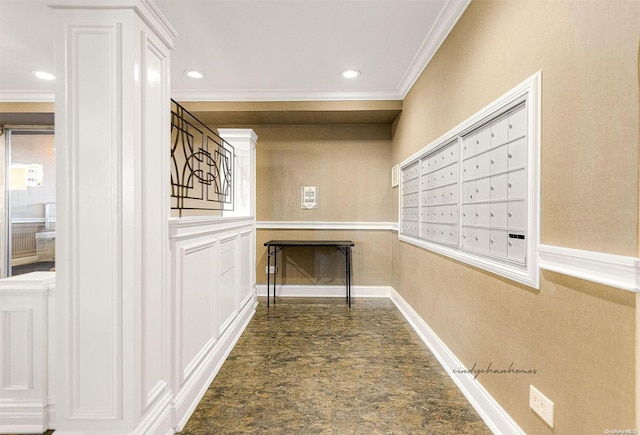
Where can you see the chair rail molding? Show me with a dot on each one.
(617, 271)
(312, 225)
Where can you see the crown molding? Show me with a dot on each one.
(283, 95)
(313, 225)
(447, 19)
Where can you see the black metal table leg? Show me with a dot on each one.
(349, 274)
(346, 273)
(268, 273)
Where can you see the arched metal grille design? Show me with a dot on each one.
(201, 165)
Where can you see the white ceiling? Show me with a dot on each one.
(258, 50)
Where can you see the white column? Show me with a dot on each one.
(244, 142)
(112, 153)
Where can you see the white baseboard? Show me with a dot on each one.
(189, 396)
(21, 429)
(159, 419)
(51, 416)
(485, 405)
(23, 417)
(327, 291)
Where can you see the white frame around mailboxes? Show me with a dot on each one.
(528, 92)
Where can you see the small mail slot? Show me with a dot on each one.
(516, 236)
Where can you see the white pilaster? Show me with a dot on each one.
(244, 142)
(112, 151)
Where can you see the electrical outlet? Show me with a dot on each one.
(273, 270)
(541, 405)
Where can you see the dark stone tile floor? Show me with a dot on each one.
(314, 366)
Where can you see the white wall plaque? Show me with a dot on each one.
(308, 197)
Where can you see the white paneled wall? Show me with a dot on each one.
(214, 297)
(25, 397)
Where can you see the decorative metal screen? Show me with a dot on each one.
(201, 165)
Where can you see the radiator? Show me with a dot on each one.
(23, 244)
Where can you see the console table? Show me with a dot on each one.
(275, 246)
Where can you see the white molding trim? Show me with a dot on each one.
(304, 225)
(23, 417)
(327, 291)
(617, 271)
(27, 96)
(51, 411)
(32, 220)
(185, 228)
(486, 406)
(447, 19)
(34, 283)
(158, 420)
(283, 95)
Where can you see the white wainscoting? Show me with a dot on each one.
(26, 399)
(213, 298)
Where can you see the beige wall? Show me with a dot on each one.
(579, 336)
(350, 165)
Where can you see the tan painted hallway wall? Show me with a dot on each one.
(579, 336)
(350, 166)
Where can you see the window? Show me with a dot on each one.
(473, 194)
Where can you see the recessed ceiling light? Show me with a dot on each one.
(43, 75)
(350, 73)
(194, 74)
